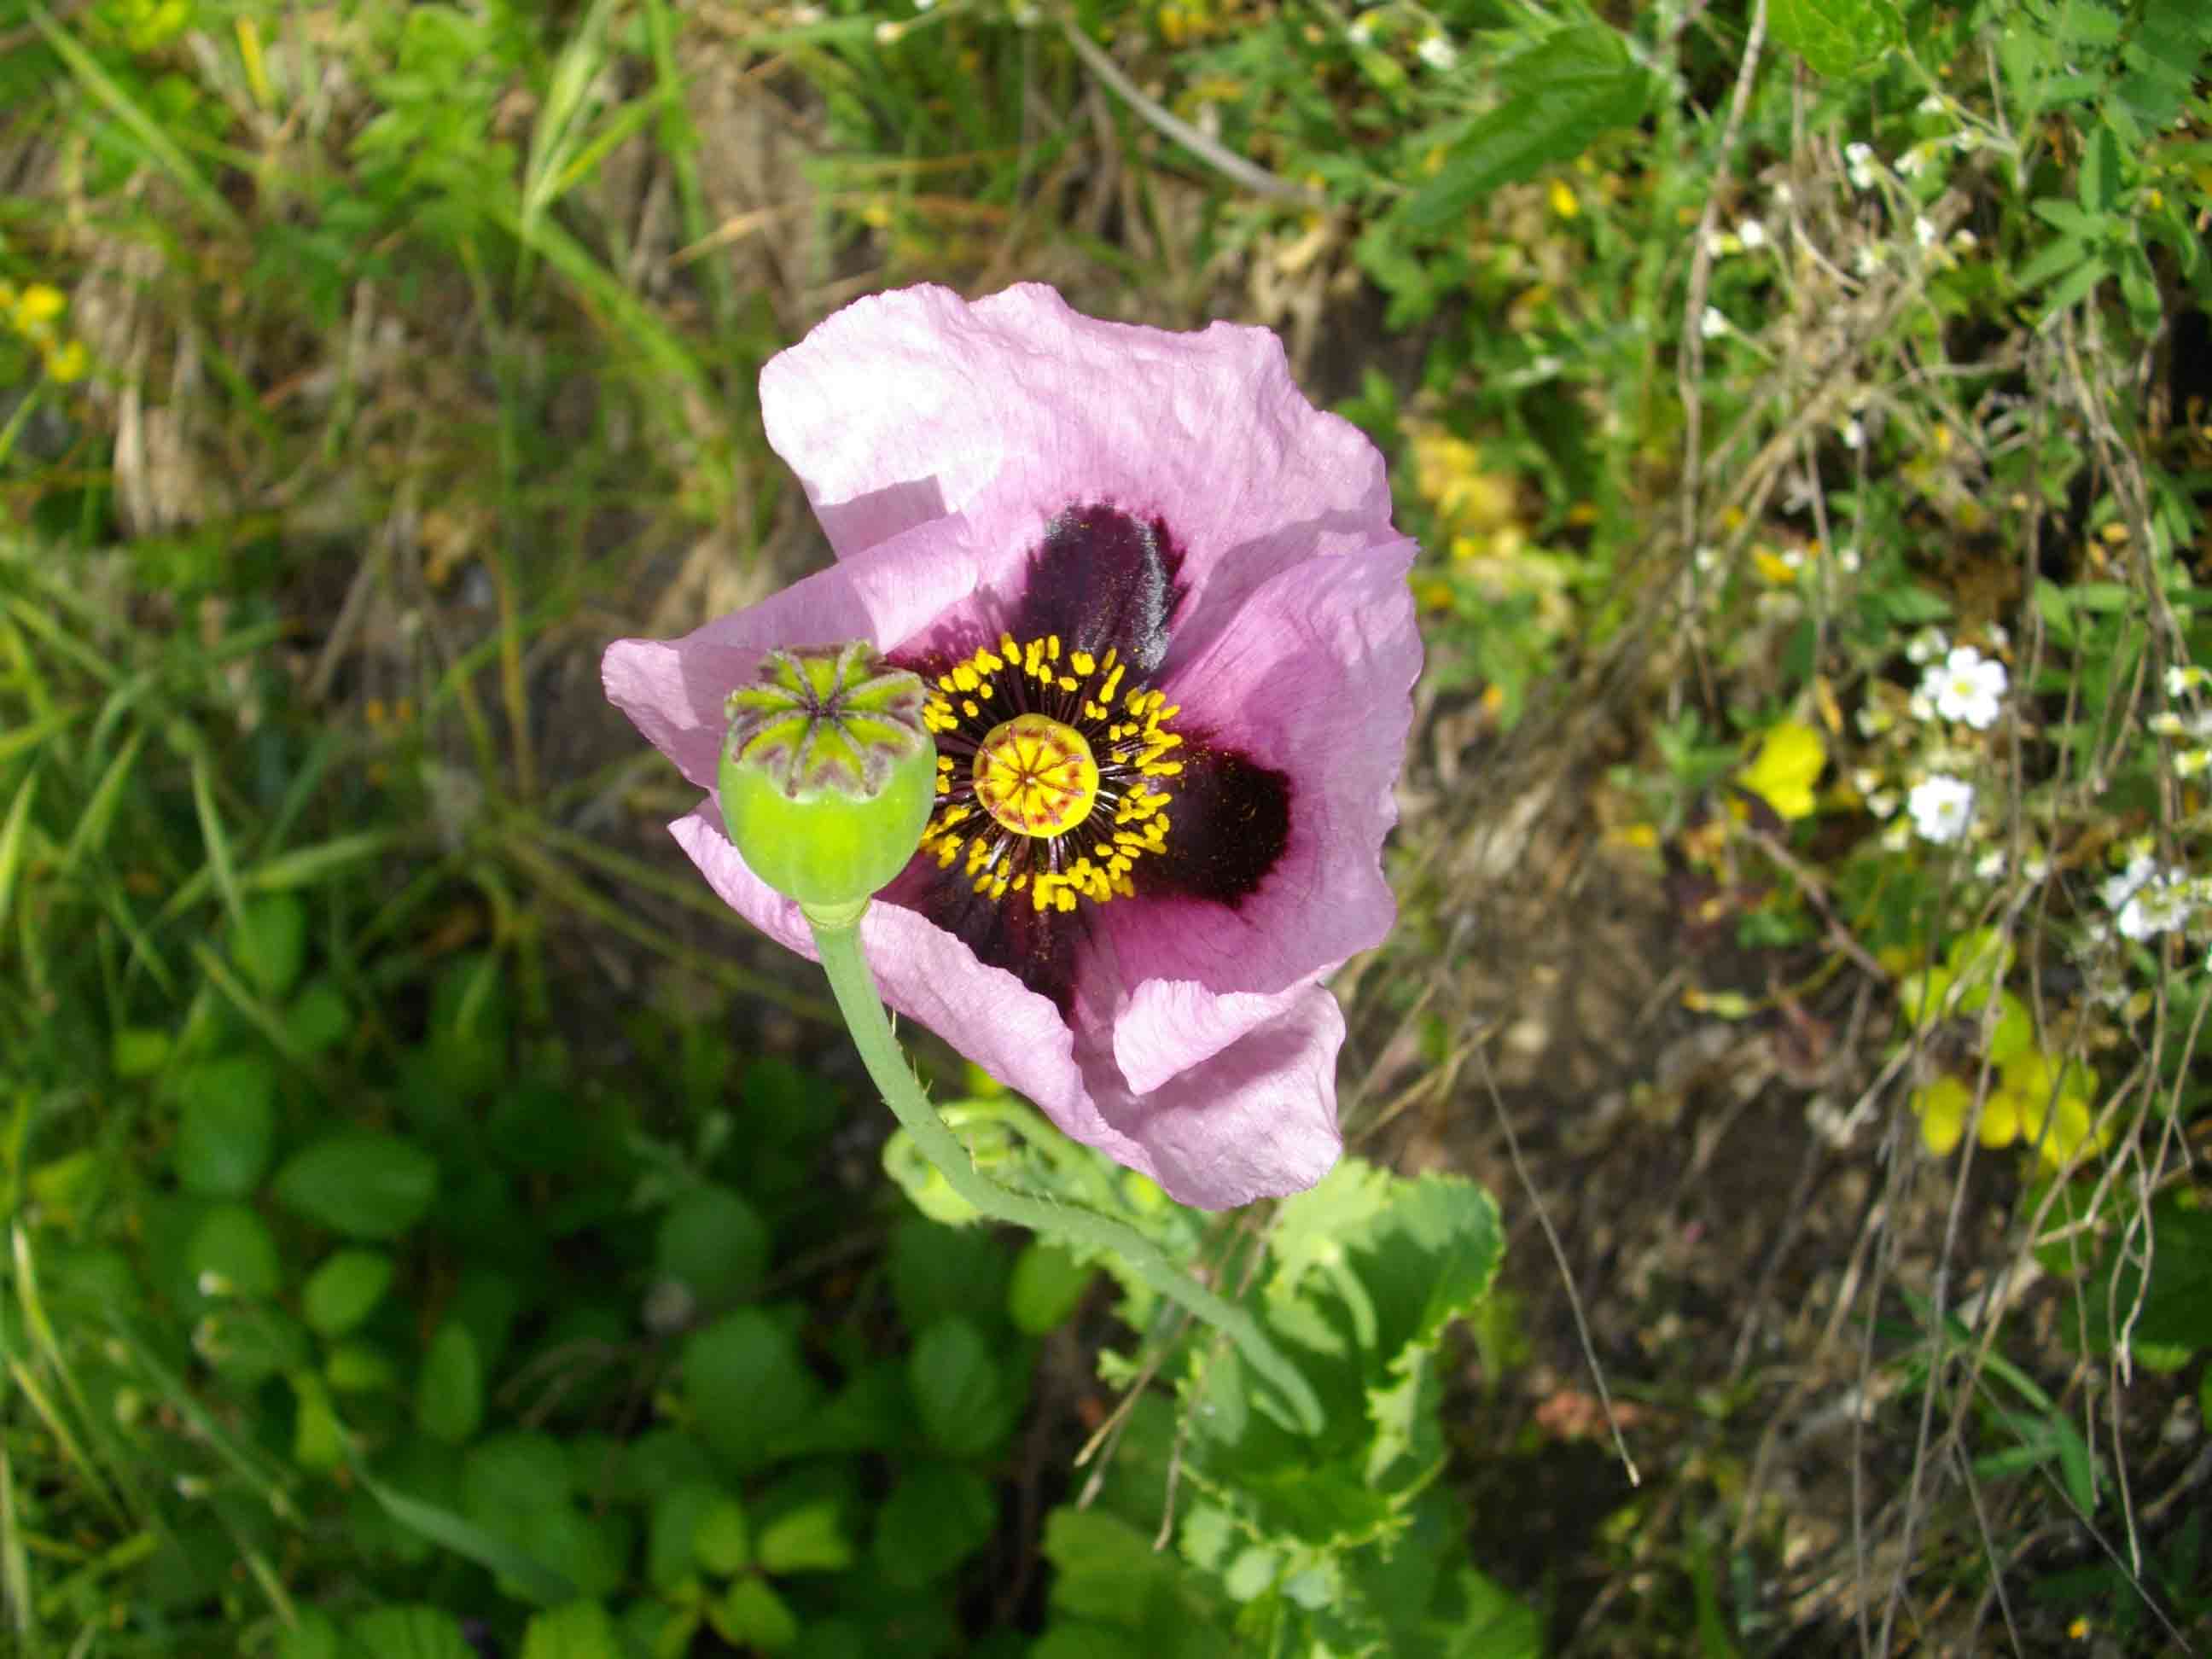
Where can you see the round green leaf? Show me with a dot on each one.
(360, 1368)
(582, 1629)
(361, 1182)
(449, 1396)
(1049, 1286)
(671, 1551)
(318, 1017)
(721, 1538)
(958, 1390)
(342, 1292)
(746, 1384)
(808, 1538)
(937, 1516)
(752, 1615)
(233, 1252)
(228, 1124)
(715, 1243)
(411, 1633)
(138, 1051)
(271, 947)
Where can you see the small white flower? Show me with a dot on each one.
(923, 5)
(2165, 724)
(1940, 808)
(1991, 864)
(211, 1284)
(2117, 890)
(888, 32)
(1436, 53)
(1963, 240)
(1924, 231)
(2000, 636)
(1865, 780)
(1854, 435)
(1926, 646)
(1931, 105)
(1920, 706)
(2182, 679)
(1968, 688)
(1859, 161)
(2158, 906)
(1867, 257)
(2192, 762)
(1847, 561)
(1751, 234)
(1361, 31)
(1882, 803)
(1783, 196)
(1713, 325)
(1966, 141)
(1914, 161)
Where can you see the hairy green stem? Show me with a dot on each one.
(838, 939)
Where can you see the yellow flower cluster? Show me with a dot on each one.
(34, 313)
(2035, 1099)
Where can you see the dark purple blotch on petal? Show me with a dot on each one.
(1232, 820)
(1102, 578)
(1009, 933)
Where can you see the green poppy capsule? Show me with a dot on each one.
(827, 774)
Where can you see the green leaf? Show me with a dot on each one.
(1049, 1286)
(312, 1635)
(138, 1051)
(229, 1124)
(233, 1252)
(936, 1516)
(1836, 37)
(958, 1392)
(270, 945)
(581, 1629)
(318, 1437)
(361, 1182)
(746, 1385)
(936, 1270)
(2063, 216)
(2101, 172)
(343, 1292)
(671, 1533)
(715, 1242)
(721, 1539)
(318, 1017)
(449, 1396)
(752, 1615)
(411, 1633)
(1562, 94)
(809, 1538)
(2049, 260)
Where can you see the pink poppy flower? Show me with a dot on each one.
(1165, 616)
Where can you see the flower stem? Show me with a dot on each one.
(838, 939)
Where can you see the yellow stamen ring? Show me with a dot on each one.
(1071, 775)
(1035, 776)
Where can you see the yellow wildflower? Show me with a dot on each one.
(1791, 757)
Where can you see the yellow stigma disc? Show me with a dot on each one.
(1035, 775)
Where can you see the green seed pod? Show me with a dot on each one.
(828, 775)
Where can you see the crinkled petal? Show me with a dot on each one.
(674, 689)
(929, 976)
(1012, 410)
(1314, 679)
(1256, 1119)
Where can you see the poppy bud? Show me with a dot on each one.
(828, 775)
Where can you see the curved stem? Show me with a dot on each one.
(839, 941)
